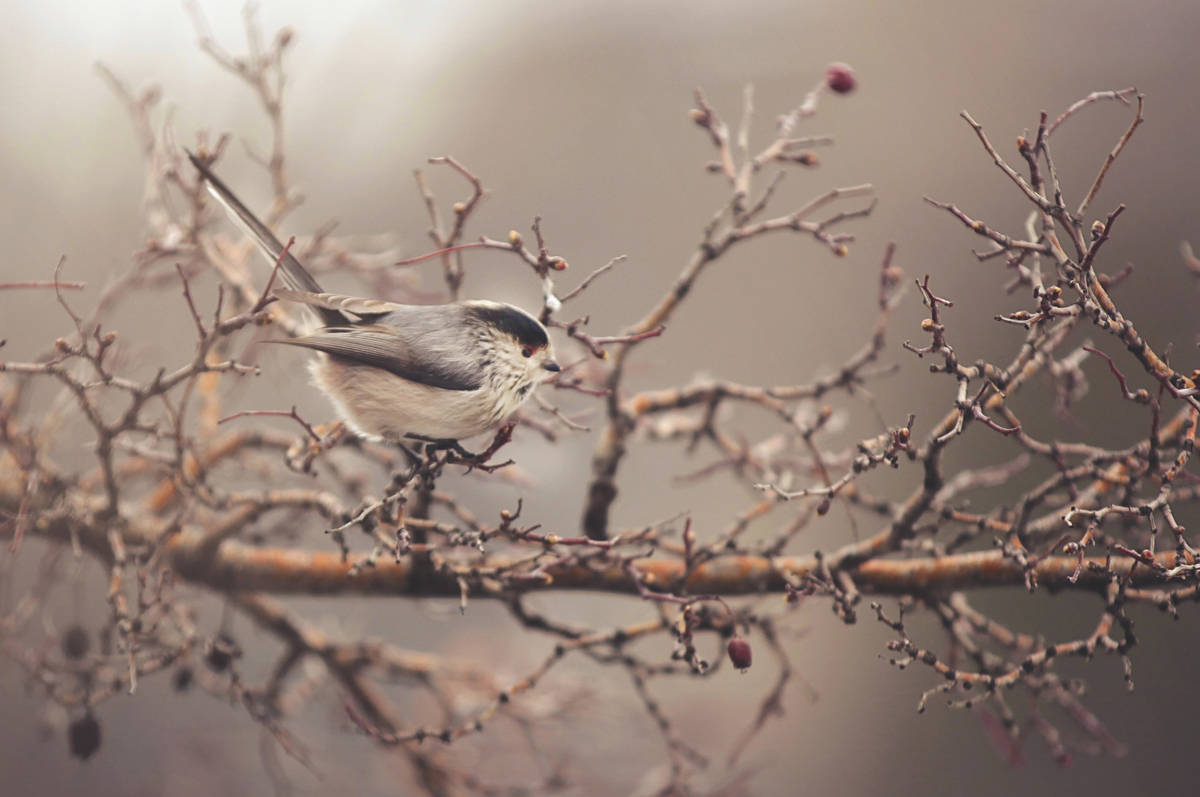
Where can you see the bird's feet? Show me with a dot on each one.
(457, 455)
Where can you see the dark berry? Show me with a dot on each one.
(182, 679)
(221, 653)
(840, 78)
(739, 653)
(83, 736)
(75, 642)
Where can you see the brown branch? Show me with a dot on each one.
(239, 567)
(1112, 156)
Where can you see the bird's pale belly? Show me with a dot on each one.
(380, 405)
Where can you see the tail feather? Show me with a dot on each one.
(346, 305)
(294, 275)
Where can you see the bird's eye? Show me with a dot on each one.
(526, 351)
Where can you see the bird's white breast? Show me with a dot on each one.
(380, 405)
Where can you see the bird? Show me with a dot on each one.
(394, 372)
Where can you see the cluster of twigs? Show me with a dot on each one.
(174, 497)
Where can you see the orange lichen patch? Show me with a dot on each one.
(990, 524)
(743, 574)
(134, 466)
(210, 396)
(238, 567)
(992, 568)
(640, 404)
(896, 576)
(764, 507)
(224, 447)
(241, 567)
(1114, 475)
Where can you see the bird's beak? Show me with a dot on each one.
(552, 366)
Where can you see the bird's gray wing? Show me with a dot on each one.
(363, 308)
(294, 275)
(393, 351)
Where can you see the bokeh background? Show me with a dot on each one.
(577, 112)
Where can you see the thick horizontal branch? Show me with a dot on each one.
(237, 567)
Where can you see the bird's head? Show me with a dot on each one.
(518, 341)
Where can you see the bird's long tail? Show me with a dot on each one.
(294, 275)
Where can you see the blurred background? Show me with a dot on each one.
(578, 112)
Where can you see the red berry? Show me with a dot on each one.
(739, 653)
(840, 78)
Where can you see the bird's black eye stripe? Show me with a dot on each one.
(526, 351)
